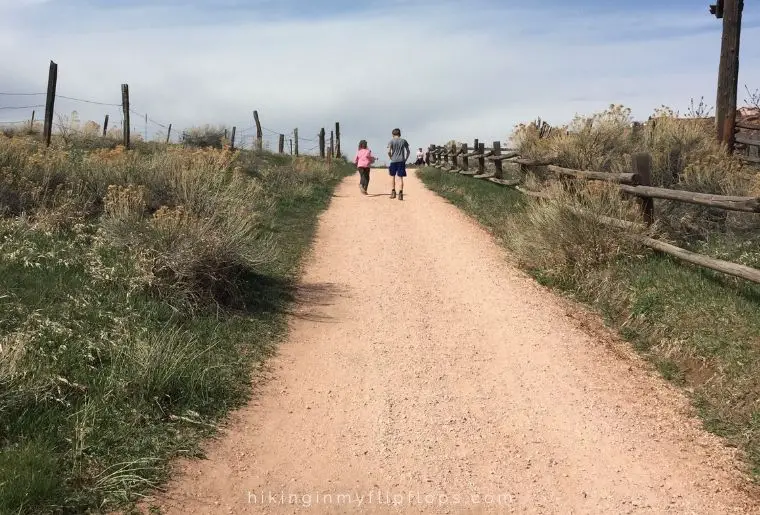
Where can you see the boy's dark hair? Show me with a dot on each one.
(363, 143)
(396, 132)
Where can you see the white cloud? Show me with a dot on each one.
(438, 74)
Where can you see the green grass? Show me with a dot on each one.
(699, 328)
(104, 377)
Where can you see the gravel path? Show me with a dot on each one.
(425, 374)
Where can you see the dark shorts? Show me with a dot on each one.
(397, 169)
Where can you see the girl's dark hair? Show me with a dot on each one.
(363, 143)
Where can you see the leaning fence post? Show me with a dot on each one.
(50, 103)
(497, 163)
(642, 168)
(168, 133)
(259, 134)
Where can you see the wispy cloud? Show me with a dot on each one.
(438, 70)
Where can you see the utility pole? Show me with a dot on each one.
(730, 11)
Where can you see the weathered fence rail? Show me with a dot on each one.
(636, 183)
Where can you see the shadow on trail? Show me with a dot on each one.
(276, 295)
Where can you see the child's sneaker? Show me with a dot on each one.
(393, 194)
(401, 195)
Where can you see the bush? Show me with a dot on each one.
(684, 153)
(565, 236)
(205, 137)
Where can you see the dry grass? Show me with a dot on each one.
(136, 290)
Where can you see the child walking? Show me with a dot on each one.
(398, 151)
(363, 160)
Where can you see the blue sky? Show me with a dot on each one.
(440, 70)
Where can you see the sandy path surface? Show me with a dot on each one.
(433, 377)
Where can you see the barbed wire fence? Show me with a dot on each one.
(123, 121)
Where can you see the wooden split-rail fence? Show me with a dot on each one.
(488, 163)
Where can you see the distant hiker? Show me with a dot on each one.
(420, 157)
(363, 160)
(398, 152)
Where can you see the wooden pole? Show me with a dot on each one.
(146, 126)
(31, 123)
(259, 135)
(322, 142)
(497, 152)
(50, 103)
(481, 158)
(728, 72)
(642, 168)
(125, 109)
(168, 133)
(332, 144)
(282, 144)
(232, 141)
(105, 126)
(337, 139)
(465, 159)
(295, 139)
(291, 146)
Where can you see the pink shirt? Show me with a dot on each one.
(364, 158)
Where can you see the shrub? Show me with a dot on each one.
(204, 137)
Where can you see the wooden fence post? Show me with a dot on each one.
(105, 126)
(168, 133)
(481, 158)
(259, 134)
(337, 139)
(232, 140)
(332, 144)
(125, 109)
(499, 174)
(282, 144)
(322, 142)
(50, 103)
(31, 123)
(642, 167)
(465, 159)
(295, 138)
(291, 146)
(454, 157)
(728, 72)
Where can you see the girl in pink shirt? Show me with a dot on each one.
(363, 160)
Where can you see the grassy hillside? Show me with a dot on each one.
(701, 329)
(137, 291)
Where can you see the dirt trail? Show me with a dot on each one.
(437, 377)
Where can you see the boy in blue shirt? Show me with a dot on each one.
(398, 152)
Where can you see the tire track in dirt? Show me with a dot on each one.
(424, 374)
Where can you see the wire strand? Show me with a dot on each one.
(88, 101)
(21, 94)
